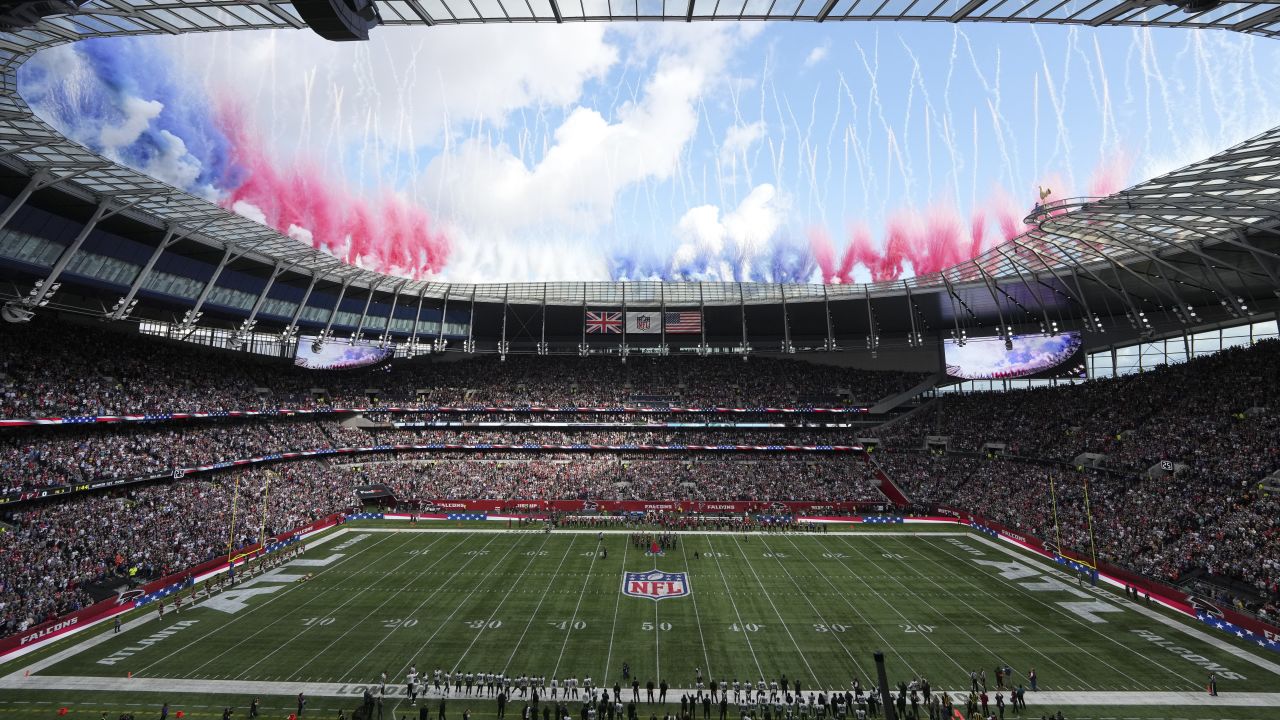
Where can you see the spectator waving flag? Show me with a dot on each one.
(604, 322)
(678, 323)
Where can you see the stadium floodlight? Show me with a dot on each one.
(15, 312)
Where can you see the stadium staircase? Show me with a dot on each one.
(888, 487)
(894, 401)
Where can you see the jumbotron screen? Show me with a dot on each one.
(337, 355)
(1032, 356)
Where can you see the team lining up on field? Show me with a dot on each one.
(775, 699)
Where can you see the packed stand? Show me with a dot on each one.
(102, 372)
(147, 532)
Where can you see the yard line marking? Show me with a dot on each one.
(892, 647)
(734, 604)
(1019, 639)
(513, 586)
(805, 595)
(541, 600)
(569, 628)
(1088, 626)
(456, 608)
(891, 606)
(697, 618)
(750, 565)
(223, 627)
(427, 599)
(305, 628)
(608, 659)
(992, 596)
(442, 557)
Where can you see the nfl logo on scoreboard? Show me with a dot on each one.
(655, 584)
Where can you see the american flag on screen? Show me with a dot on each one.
(604, 322)
(682, 322)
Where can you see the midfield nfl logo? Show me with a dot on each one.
(655, 584)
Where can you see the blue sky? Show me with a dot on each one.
(711, 151)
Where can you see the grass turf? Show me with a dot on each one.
(810, 607)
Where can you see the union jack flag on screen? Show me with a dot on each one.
(604, 322)
(682, 322)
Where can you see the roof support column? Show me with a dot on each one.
(125, 304)
(292, 328)
(247, 326)
(470, 347)
(417, 321)
(444, 313)
(502, 342)
(189, 320)
(364, 314)
(542, 343)
(386, 327)
(37, 181)
(786, 321)
(346, 282)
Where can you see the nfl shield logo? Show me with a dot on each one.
(655, 584)
(642, 322)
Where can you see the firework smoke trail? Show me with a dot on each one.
(1058, 101)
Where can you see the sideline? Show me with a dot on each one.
(1041, 699)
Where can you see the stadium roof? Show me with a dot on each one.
(1223, 201)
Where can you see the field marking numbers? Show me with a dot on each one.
(608, 658)
(445, 622)
(542, 599)
(569, 633)
(223, 627)
(734, 604)
(503, 601)
(354, 596)
(1050, 660)
(706, 657)
(964, 673)
(822, 621)
(1070, 616)
(885, 641)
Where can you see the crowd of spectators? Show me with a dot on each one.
(103, 372)
(53, 549)
(1213, 419)
(48, 457)
(1163, 527)
(621, 476)
(1202, 411)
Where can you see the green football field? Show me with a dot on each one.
(379, 598)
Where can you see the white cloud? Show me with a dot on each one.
(739, 138)
(402, 91)
(489, 192)
(138, 114)
(716, 247)
(817, 55)
(250, 211)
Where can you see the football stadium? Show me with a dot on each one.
(639, 360)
